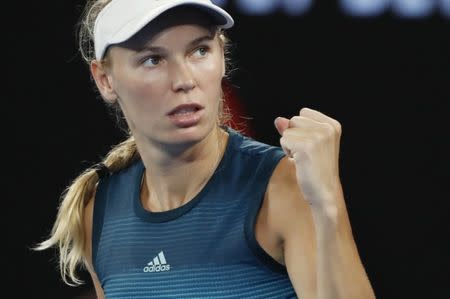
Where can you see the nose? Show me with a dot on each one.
(183, 79)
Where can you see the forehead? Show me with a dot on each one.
(183, 15)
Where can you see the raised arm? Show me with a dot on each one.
(308, 206)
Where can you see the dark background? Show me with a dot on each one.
(384, 78)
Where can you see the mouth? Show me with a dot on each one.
(186, 115)
(185, 109)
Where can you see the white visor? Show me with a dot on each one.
(121, 19)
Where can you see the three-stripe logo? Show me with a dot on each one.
(158, 264)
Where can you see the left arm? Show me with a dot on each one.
(319, 249)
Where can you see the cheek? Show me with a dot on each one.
(214, 67)
(141, 92)
(141, 105)
(211, 77)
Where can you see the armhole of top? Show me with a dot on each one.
(255, 205)
(98, 218)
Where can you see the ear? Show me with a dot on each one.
(222, 42)
(223, 65)
(103, 81)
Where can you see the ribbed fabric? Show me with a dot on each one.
(203, 249)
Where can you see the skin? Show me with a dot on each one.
(303, 221)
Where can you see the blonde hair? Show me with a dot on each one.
(68, 233)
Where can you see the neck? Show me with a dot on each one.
(168, 180)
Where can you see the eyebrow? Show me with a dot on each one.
(192, 43)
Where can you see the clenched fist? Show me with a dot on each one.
(312, 140)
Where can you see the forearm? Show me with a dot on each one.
(340, 273)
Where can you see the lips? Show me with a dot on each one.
(186, 115)
(185, 109)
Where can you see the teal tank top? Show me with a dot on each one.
(203, 249)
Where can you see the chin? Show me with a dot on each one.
(190, 135)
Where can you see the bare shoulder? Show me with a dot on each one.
(285, 215)
(275, 214)
(285, 200)
(292, 219)
(283, 175)
(283, 192)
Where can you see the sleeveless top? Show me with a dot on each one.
(203, 249)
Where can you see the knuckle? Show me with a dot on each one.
(295, 119)
(338, 127)
(333, 128)
(329, 129)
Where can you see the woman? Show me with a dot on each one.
(188, 207)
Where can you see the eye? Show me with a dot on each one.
(201, 51)
(151, 61)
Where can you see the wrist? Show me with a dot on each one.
(326, 202)
(327, 210)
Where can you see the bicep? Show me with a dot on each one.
(295, 225)
(300, 256)
(88, 220)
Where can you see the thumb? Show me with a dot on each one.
(281, 124)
